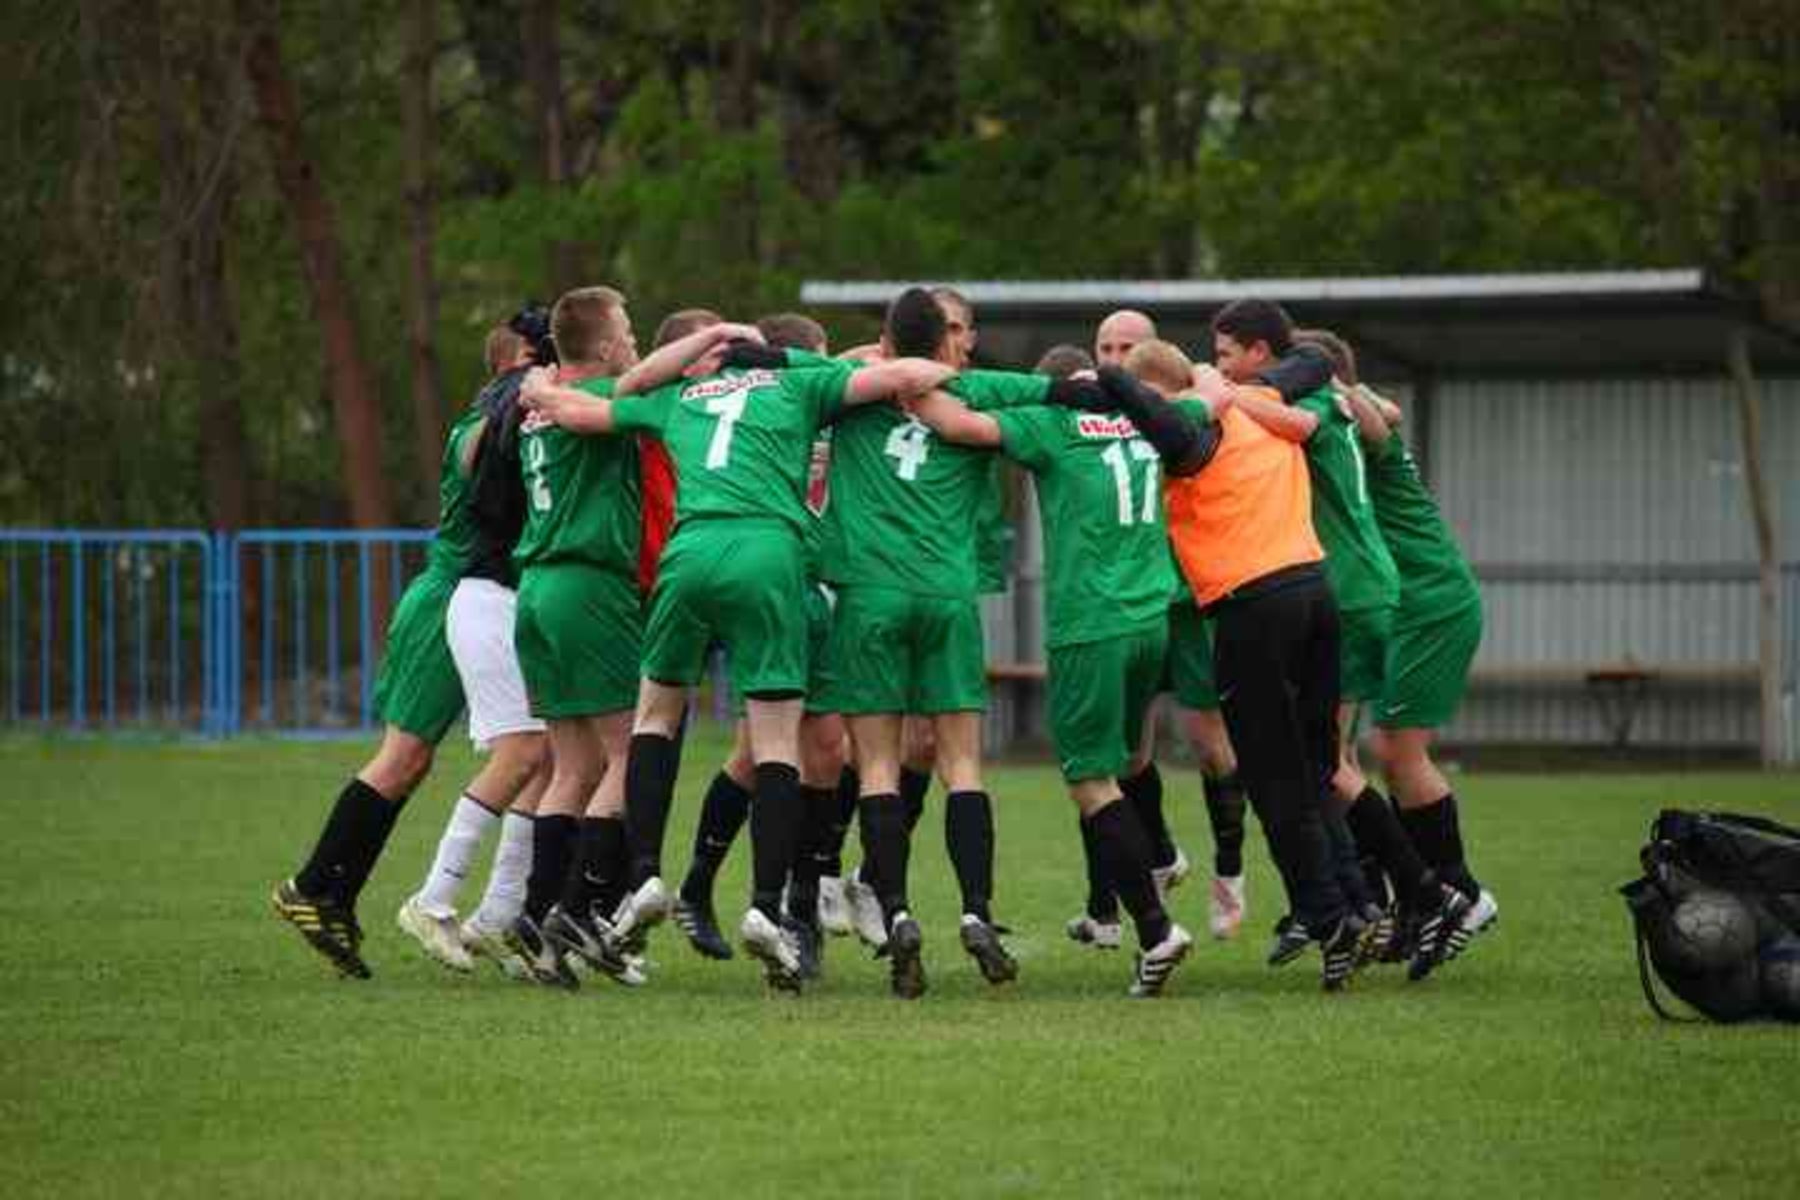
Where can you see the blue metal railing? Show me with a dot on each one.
(122, 627)
(280, 631)
(307, 611)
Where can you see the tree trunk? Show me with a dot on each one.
(355, 400)
(1762, 515)
(549, 123)
(427, 378)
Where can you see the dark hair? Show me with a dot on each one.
(1247, 322)
(678, 325)
(916, 324)
(532, 322)
(792, 331)
(1343, 358)
(1062, 361)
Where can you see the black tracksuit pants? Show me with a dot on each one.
(1275, 655)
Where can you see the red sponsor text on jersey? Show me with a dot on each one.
(724, 385)
(1093, 425)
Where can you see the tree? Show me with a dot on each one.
(355, 399)
(422, 316)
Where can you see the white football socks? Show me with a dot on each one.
(469, 824)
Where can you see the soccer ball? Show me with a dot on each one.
(1708, 931)
(1781, 977)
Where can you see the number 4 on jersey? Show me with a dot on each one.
(910, 444)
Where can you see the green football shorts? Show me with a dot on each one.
(740, 581)
(578, 634)
(1363, 653)
(896, 652)
(1100, 693)
(1428, 670)
(1189, 668)
(820, 598)
(417, 688)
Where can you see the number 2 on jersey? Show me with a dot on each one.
(728, 408)
(910, 444)
(540, 490)
(1115, 457)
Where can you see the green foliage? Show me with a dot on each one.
(720, 154)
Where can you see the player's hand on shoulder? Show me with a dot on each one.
(535, 387)
(1210, 385)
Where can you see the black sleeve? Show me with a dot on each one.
(752, 355)
(1184, 444)
(1300, 372)
(1084, 394)
(497, 496)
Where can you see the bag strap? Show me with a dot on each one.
(1760, 824)
(1643, 959)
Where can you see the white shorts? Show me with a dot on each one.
(479, 627)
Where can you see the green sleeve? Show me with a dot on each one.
(988, 391)
(820, 389)
(1027, 435)
(1322, 404)
(1196, 408)
(645, 412)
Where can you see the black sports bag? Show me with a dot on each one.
(1717, 914)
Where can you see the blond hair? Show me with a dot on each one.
(679, 324)
(584, 320)
(502, 349)
(1161, 364)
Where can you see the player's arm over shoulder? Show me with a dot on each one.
(954, 421)
(895, 379)
(571, 408)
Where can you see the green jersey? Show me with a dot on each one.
(994, 535)
(902, 506)
(741, 441)
(583, 496)
(1106, 547)
(1357, 561)
(454, 544)
(1435, 579)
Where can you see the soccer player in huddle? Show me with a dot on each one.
(1436, 631)
(479, 628)
(827, 784)
(1249, 335)
(734, 571)
(1107, 564)
(906, 636)
(418, 696)
(578, 629)
(1239, 513)
(1190, 679)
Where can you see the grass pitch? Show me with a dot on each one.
(162, 1034)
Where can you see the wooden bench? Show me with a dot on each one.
(1619, 688)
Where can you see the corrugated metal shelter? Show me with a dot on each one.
(1585, 436)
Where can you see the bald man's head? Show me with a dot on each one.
(1119, 333)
